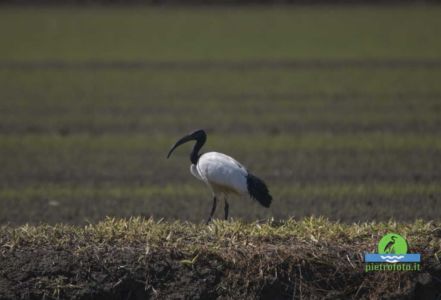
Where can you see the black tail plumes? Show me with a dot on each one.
(258, 190)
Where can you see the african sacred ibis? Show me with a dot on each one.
(223, 174)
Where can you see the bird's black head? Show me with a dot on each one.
(199, 136)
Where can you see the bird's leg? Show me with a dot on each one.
(213, 209)
(227, 206)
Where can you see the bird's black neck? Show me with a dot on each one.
(194, 155)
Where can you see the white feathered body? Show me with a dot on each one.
(222, 173)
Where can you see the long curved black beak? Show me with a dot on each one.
(183, 140)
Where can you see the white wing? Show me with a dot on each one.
(195, 172)
(223, 171)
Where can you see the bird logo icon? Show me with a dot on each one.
(392, 243)
(392, 255)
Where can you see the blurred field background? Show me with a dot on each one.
(337, 108)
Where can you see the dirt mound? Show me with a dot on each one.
(142, 259)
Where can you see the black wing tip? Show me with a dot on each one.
(258, 190)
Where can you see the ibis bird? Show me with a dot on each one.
(222, 174)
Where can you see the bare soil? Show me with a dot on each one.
(53, 264)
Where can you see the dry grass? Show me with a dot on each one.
(138, 258)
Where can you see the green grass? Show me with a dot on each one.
(347, 141)
(219, 34)
(157, 233)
